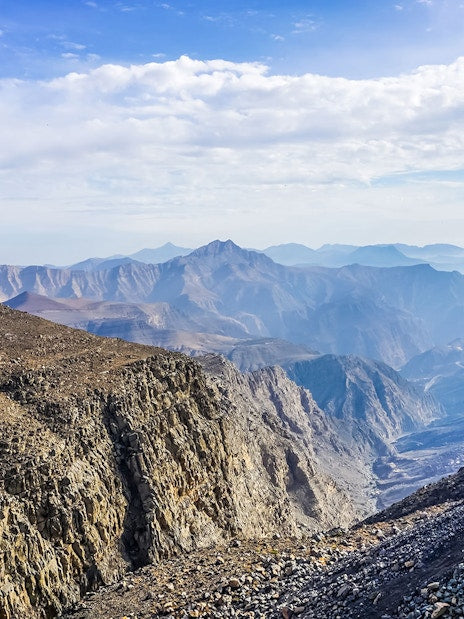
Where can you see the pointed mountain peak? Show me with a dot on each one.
(229, 252)
(218, 247)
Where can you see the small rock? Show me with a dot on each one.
(433, 586)
(409, 564)
(439, 609)
(343, 591)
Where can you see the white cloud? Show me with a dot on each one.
(304, 25)
(277, 37)
(75, 46)
(153, 143)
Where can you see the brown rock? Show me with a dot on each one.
(439, 609)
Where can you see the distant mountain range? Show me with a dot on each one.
(147, 256)
(440, 371)
(390, 314)
(320, 324)
(365, 392)
(383, 418)
(442, 257)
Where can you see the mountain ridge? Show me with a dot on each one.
(228, 291)
(133, 453)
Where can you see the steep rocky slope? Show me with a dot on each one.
(114, 455)
(365, 394)
(385, 420)
(440, 371)
(403, 563)
(270, 392)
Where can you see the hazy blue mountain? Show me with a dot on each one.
(291, 254)
(433, 252)
(160, 254)
(440, 371)
(99, 264)
(354, 390)
(250, 355)
(147, 256)
(441, 256)
(386, 313)
(380, 256)
(334, 255)
(369, 328)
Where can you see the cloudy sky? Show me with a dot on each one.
(128, 124)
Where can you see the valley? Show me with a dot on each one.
(311, 397)
(231, 309)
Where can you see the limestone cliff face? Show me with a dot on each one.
(114, 454)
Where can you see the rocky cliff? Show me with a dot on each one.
(114, 455)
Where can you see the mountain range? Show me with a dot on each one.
(389, 314)
(440, 256)
(440, 371)
(312, 321)
(115, 455)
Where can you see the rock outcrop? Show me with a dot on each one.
(114, 455)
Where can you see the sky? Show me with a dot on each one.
(129, 124)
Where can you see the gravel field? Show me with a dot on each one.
(404, 567)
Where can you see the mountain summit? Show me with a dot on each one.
(230, 251)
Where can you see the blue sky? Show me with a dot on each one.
(127, 124)
(352, 39)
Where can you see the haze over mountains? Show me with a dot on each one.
(369, 437)
(149, 256)
(390, 314)
(335, 324)
(440, 371)
(440, 256)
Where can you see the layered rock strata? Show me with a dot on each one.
(113, 455)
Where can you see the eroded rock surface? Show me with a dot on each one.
(114, 455)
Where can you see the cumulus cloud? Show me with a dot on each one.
(162, 139)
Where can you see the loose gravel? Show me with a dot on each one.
(409, 567)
